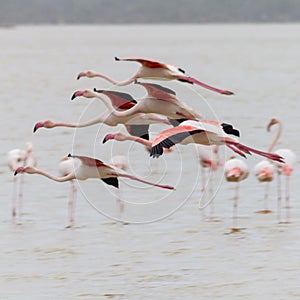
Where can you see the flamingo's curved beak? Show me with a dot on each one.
(19, 170)
(76, 94)
(38, 125)
(108, 137)
(81, 74)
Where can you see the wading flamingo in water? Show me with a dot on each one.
(285, 168)
(119, 162)
(151, 69)
(89, 168)
(209, 162)
(206, 133)
(235, 170)
(110, 118)
(18, 158)
(66, 167)
(160, 100)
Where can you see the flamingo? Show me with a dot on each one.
(235, 170)
(119, 162)
(154, 70)
(66, 167)
(264, 172)
(17, 158)
(209, 160)
(111, 118)
(286, 168)
(204, 132)
(160, 100)
(86, 168)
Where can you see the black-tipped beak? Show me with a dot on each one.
(69, 155)
(37, 126)
(136, 81)
(104, 140)
(73, 96)
(117, 58)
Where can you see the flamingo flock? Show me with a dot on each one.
(159, 106)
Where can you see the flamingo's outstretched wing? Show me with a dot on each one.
(119, 100)
(158, 91)
(148, 63)
(170, 137)
(141, 131)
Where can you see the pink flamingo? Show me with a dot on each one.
(286, 168)
(66, 167)
(209, 161)
(235, 170)
(17, 158)
(111, 118)
(205, 133)
(89, 168)
(160, 100)
(154, 70)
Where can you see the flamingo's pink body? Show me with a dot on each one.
(151, 69)
(160, 100)
(206, 133)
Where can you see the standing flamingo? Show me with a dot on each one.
(160, 100)
(89, 168)
(110, 118)
(209, 160)
(235, 170)
(17, 158)
(285, 168)
(205, 133)
(264, 172)
(119, 162)
(154, 70)
(66, 167)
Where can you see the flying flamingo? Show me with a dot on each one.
(154, 70)
(235, 170)
(89, 168)
(110, 118)
(209, 161)
(17, 158)
(206, 133)
(285, 168)
(66, 167)
(160, 100)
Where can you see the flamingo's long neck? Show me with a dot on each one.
(277, 137)
(97, 120)
(53, 177)
(139, 140)
(113, 81)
